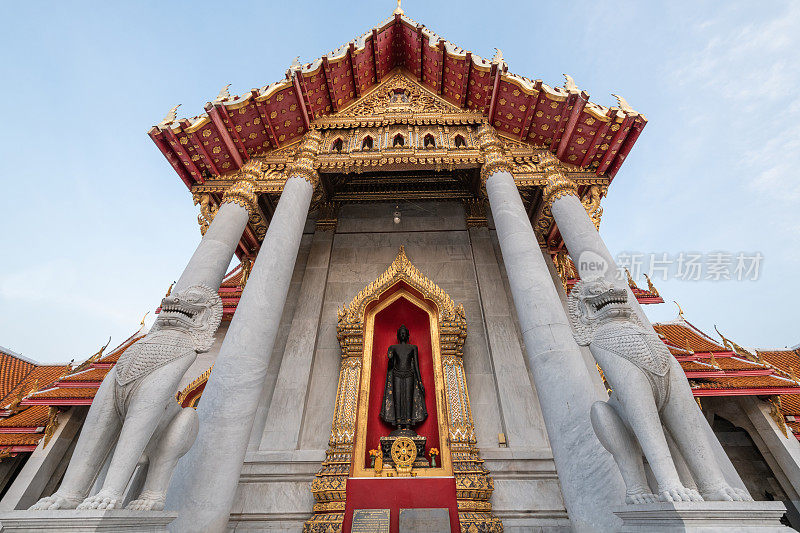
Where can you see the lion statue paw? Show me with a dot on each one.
(726, 493)
(148, 501)
(56, 501)
(679, 494)
(105, 499)
(640, 495)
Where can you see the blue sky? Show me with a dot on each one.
(95, 224)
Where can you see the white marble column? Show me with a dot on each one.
(590, 481)
(204, 484)
(285, 416)
(213, 255)
(586, 247)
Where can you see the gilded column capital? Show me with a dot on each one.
(242, 193)
(305, 157)
(494, 159)
(558, 184)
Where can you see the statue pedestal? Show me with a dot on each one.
(386, 448)
(702, 517)
(105, 521)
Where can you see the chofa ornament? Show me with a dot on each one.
(649, 390)
(135, 410)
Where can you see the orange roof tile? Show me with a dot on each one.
(783, 359)
(63, 392)
(682, 334)
(13, 369)
(91, 374)
(790, 404)
(38, 378)
(742, 382)
(33, 416)
(19, 439)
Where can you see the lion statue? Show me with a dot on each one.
(135, 409)
(649, 390)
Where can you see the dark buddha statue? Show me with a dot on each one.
(403, 395)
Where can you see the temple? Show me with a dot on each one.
(402, 180)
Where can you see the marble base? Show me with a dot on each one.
(702, 517)
(114, 521)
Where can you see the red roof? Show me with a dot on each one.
(727, 369)
(234, 129)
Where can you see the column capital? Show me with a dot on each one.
(494, 160)
(243, 194)
(558, 184)
(305, 157)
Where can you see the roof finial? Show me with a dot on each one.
(570, 84)
(624, 105)
(399, 10)
(171, 116)
(224, 94)
(295, 64)
(498, 57)
(680, 311)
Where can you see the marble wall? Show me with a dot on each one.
(274, 490)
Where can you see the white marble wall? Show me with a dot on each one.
(274, 487)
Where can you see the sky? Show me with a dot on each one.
(95, 224)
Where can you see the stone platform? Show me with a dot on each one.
(703, 517)
(117, 520)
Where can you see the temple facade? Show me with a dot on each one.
(403, 181)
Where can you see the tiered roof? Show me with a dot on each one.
(235, 128)
(20, 427)
(714, 369)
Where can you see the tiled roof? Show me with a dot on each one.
(235, 128)
(727, 369)
(60, 392)
(34, 416)
(90, 374)
(39, 377)
(13, 369)
(19, 439)
(684, 335)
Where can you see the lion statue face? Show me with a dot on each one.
(594, 302)
(196, 310)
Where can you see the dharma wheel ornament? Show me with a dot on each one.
(404, 453)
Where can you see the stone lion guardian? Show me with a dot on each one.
(650, 404)
(135, 411)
